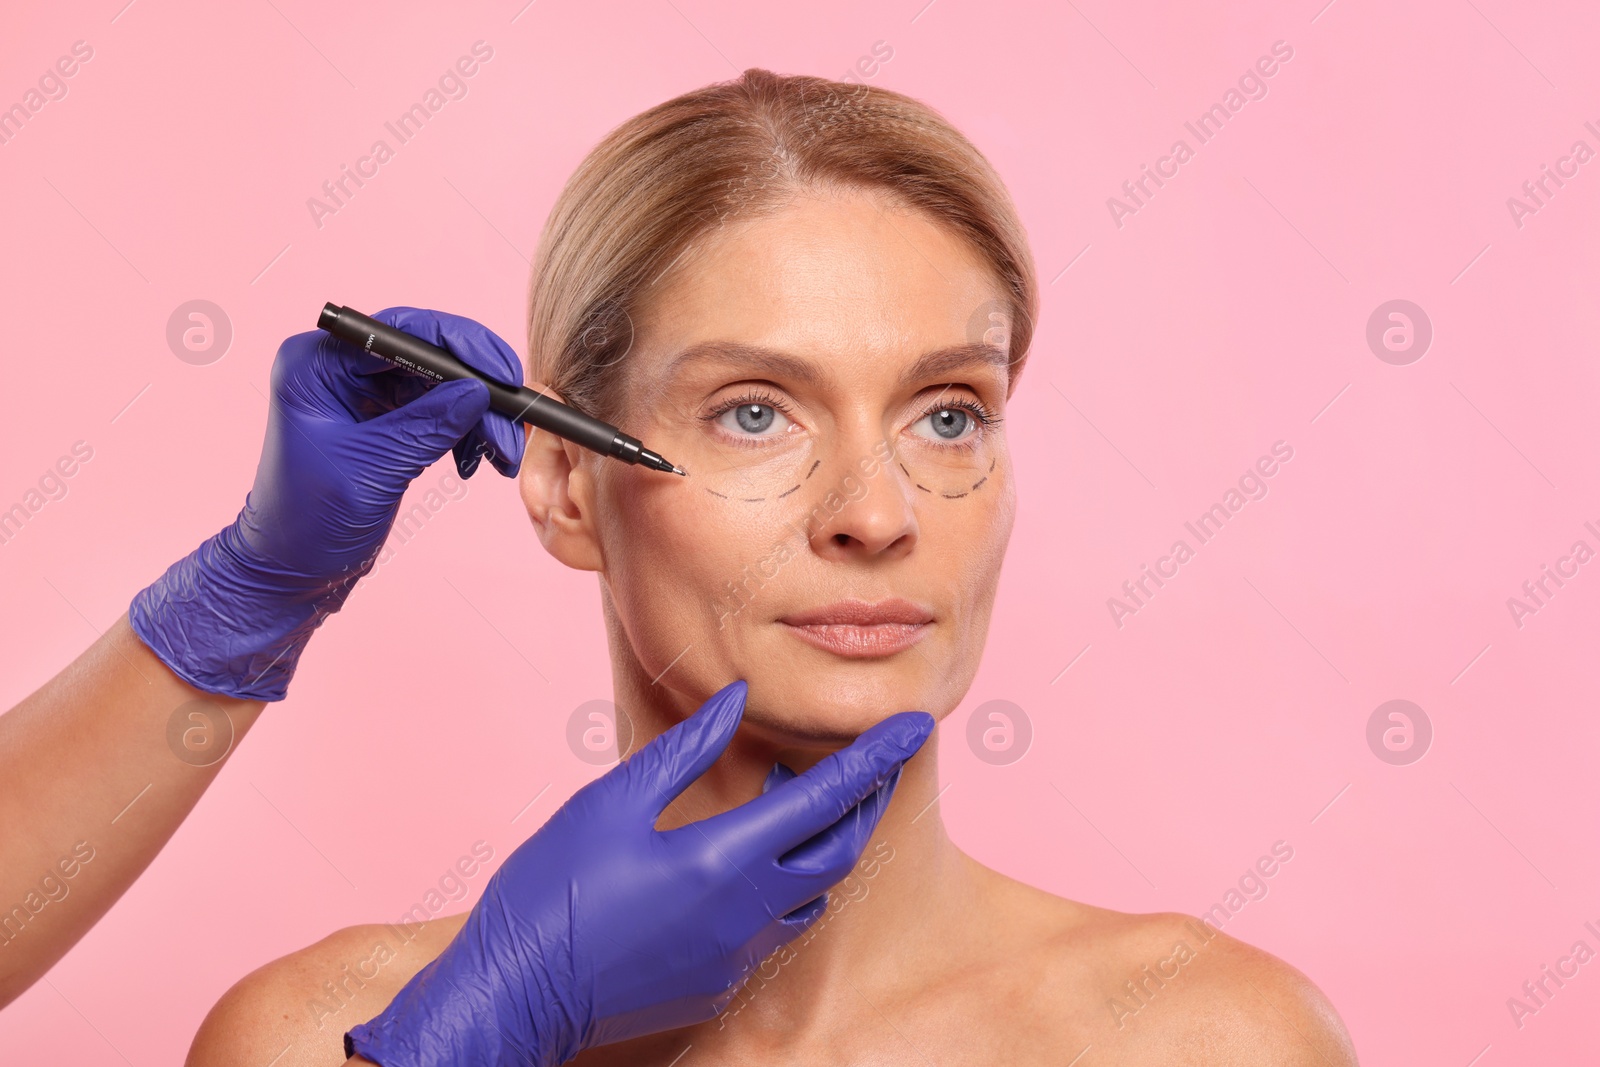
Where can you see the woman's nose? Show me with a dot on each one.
(860, 504)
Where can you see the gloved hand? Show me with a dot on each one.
(600, 928)
(346, 433)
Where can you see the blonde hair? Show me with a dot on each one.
(737, 149)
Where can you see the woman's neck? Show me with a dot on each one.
(889, 923)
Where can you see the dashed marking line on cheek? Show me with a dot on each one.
(954, 496)
(907, 473)
(780, 496)
(902, 466)
(752, 499)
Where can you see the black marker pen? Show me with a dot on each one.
(517, 402)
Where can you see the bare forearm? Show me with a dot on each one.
(97, 769)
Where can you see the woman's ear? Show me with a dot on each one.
(558, 490)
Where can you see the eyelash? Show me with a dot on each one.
(986, 418)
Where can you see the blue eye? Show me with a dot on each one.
(949, 423)
(954, 423)
(754, 417)
(758, 417)
(752, 420)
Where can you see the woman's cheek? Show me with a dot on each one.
(685, 555)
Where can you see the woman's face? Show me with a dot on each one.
(835, 471)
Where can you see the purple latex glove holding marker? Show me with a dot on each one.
(346, 434)
(667, 922)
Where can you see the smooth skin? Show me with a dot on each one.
(928, 957)
(85, 759)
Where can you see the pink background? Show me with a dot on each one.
(1228, 313)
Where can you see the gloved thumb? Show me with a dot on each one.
(421, 431)
(664, 768)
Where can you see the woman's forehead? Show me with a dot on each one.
(821, 277)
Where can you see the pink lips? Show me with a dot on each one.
(857, 629)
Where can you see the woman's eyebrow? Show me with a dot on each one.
(936, 363)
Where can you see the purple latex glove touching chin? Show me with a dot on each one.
(347, 432)
(599, 927)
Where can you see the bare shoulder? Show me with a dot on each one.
(294, 1011)
(1162, 987)
(1167, 985)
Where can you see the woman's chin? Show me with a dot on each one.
(825, 706)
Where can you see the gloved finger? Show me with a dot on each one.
(831, 854)
(500, 440)
(654, 776)
(803, 807)
(834, 852)
(803, 916)
(775, 777)
(469, 453)
(418, 433)
(312, 372)
(467, 458)
(841, 844)
(777, 933)
(468, 340)
(823, 861)
(482, 349)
